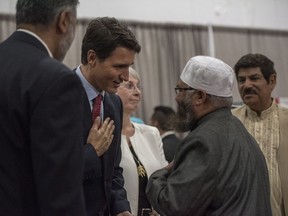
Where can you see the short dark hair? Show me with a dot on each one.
(165, 116)
(104, 35)
(41, 11)
(256, 60)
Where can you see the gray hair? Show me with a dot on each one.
(134, 74)
(219, 102)
(42, 12)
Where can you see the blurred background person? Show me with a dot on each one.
(266, 121)
(41, 139)
(141, 145)
(163, 118)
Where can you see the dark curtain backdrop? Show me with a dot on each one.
(167, 47)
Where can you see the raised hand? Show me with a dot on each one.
(101, 137)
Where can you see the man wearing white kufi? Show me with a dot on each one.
(218, 169)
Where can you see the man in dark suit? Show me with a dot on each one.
(41, 156)
(108, 50)
(163, 118)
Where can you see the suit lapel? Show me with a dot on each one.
(87, 121)
(87, 115)
(109, 111)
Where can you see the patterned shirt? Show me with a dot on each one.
(265, 129)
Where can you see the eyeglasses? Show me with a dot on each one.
(178, 89)
(131, 87)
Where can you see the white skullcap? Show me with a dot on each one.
(210, 75)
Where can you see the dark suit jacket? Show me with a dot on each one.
(103, 180)
(170, 145)
(41, 153)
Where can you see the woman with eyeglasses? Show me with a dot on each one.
(141, 145)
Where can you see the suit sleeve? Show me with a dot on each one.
(57, 143)
(187, 188)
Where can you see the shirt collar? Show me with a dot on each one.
(90, 90)
(167, 134)
(38, 38)
(264, 114)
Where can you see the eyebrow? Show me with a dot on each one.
(252, 75)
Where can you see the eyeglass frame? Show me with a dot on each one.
(131, 87)
(178, 89)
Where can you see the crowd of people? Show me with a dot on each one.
(70, 146)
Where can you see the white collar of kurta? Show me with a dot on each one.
(167, 133)
(36, 36)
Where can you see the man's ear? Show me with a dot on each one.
(64, 21)
(156, 124)
(201, 97)
(91, 57)
(273, 80)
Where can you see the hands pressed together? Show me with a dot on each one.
(101, 135)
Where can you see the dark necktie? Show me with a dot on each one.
(96, 106)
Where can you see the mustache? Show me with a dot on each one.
(249, 91)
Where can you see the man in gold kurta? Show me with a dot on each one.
(266, 121)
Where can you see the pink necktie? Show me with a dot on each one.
(96, 106)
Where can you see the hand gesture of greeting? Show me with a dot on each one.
(101, 137)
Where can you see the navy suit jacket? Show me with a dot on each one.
(103, 181)
(41, 139)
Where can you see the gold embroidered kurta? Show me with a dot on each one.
(266, 130)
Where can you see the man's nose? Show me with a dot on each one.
(125, 75)
(247, 83)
